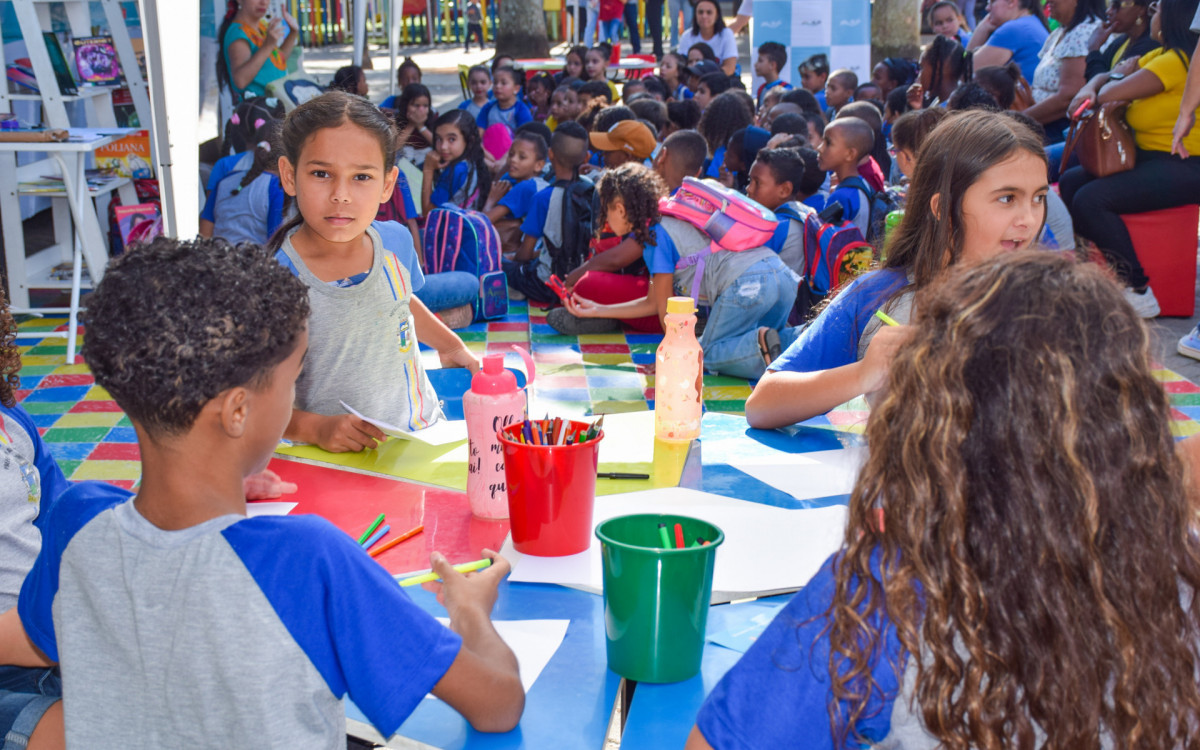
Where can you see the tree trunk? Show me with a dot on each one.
(522, 29)
(895, 29)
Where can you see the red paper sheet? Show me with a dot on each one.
(352, 501)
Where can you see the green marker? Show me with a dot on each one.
(666, 538)
(885, 318)
(370, 530)
(431, 576)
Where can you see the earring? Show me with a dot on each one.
(1137, 22)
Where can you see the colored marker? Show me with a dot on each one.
(385, 547)
(621, 475)
(370, 530)
(377, 536)
(679, 536)
(664, 536)
(885, 318)
(430, 577)
(1087, 103)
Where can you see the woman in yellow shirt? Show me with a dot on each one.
(1155, 84)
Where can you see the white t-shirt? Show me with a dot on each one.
(723, 44)
(1059, 45)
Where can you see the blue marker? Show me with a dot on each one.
(377, 536)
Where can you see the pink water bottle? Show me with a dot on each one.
(493, 402)
(678, 374)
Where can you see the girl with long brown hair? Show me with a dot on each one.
(1019, 565)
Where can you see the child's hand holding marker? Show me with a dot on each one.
(342, 433)
(468, 593)
(880, 352)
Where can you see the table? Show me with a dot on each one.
(555, 64)
(89, 243)
(567, 708)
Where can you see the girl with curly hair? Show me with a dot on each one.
(745, 290)
(724, 116)
(1019, 566)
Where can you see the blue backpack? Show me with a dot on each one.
(835, 253)
(459, 239)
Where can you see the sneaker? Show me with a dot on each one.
(561, 320)
(458, 317)
(1189, 345)
(1144, 303)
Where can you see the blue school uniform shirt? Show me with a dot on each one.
(820, 95)
(777, 694)
(241, 632)
(455, 186)
(471, 107)
(682, 92)
(832, 339)
(763, 89)
(512, 118)
(713, 169)
(219, 172)
(520, 197)
(1023, 37)
(856, 208)
(247, 213)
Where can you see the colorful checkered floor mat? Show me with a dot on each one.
(576, 375)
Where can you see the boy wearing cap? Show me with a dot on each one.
(625, 141)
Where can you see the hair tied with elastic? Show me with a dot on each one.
(259, 123)
(265, 145)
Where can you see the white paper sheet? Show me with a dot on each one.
(533, 641)
(809, 475)
(259, 508)
(442, 432)
(765, 549)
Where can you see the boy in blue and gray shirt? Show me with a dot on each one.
(179, 621)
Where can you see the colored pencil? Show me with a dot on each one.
(370, 529)
(406, 535)
(431, 576)
(377, 536)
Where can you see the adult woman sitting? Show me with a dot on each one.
(1012, 30)
(709, 27)
(1060, 71)
(1125, 33)
(253, 52)
(1154, 84)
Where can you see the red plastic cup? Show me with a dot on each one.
(551, 492)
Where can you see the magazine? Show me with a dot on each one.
(96, 60)
(128, 157)
(138, 223)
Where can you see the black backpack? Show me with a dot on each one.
(578, 218)
(880, 204)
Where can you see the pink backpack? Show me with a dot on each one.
(731, 220)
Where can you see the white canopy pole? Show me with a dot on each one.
(175, 116)
(360, 30)
(396, 8)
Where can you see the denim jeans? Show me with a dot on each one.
(443, 291)
(673, 8)
(25, 695)
(610, 31)
(762, 296)
(631, 23)
(589, 32)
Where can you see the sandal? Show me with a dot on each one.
(768, 345)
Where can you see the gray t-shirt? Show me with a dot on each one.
(234, 633)
(721, 268)
(362, 340)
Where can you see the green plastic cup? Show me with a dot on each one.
(656, 600)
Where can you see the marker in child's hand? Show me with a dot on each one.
(1086, 103)
(887, 319)
(431, 576)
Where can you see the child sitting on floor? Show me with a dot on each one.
(456, 173)
(479, 83)
(564, 107)
(250, 202)
(781, 179)
(843, 145)
(1019, 536)
(510, 200)
(980, 185)
(544, 245)
(745, 290)
(179, 621)
(507, 107)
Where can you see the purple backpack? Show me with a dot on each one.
(459, 239)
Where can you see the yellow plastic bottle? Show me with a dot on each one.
(678, 374)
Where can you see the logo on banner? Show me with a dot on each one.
(851, 22)
(772, 25)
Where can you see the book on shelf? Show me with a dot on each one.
(20, 72)
(58, 61)
(128, 157)
(64, 271)
(124, 110)
(96, 60)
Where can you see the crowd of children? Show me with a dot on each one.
(1011, 390)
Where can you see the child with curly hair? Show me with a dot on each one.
(1020, 562)
(724, 116)
(745, 290)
